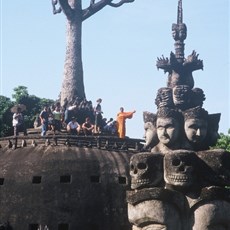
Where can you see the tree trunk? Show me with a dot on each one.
(73, 85)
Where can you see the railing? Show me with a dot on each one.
(93, 141)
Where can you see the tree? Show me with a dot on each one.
(73, 83)
(20, 93)
(34, 106)
(5, 116)
(224, 141)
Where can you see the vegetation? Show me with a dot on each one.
(223, 142)
(33, 104)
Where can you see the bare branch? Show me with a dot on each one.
(120, 3)
(94, 8)
(56, 11)
(67, 10)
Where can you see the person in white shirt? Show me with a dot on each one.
(18, 123)
(73, 127)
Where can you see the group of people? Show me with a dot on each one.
(83, 118)
(77, 119)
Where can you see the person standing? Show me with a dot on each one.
(18, 122)
(121, 120)
(98, 116)
(44, 117)
(58, 115)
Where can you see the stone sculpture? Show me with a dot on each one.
(190, 191)
(150, 136)
(169, 126)
(146, 170)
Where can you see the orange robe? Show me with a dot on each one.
(121, 118)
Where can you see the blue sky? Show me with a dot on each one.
(120, 48)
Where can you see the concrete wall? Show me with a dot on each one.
(65, 188)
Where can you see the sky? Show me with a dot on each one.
(120, 47)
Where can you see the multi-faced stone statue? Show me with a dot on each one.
(150, 135)
(146, 170)
(168, 125)
(196, 126)
(180, 172)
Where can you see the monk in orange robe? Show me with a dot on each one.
(121, 118)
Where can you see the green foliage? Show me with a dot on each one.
(34, 106)
(224, 141)
(5, 116)
(20, 93)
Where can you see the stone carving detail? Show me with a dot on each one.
(157, 208)
(146, 170)
(150, 136)
(190, 190)
(180, 169)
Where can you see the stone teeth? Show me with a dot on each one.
(142, 181)
(178, 178)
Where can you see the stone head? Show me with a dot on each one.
(164, 97)
(150, 135)
(181, 96)
(195, 124)
(146, 170)
(197, 97)
(169, 122)
(180, 169)
(213, 127)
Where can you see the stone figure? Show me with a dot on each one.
(150, 135)
(182, 96)
(196, 126)
(157, 208)
(169, 127)
(215, 168)
(197, 97)
(179, 68)
(146, 170)
(164, 98)
(195, 193)
(213, 126)
(211, 211)
(180, 170)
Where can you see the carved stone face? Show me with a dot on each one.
(150, 136)
(164, 97)
(182, 32)
(179, 168)
(168, 130)
(181, 95)
(146, 170)
(195, 129)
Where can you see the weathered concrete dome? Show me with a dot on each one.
(64, 187)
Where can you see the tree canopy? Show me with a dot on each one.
(33, 104)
